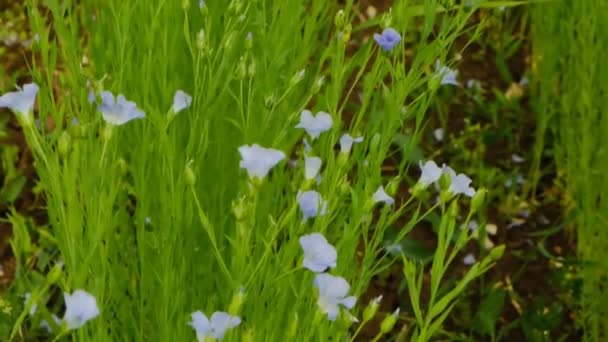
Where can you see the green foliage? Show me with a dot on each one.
(569, 39)
(489, 311)
(155, 218)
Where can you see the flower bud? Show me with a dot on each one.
(392, 186)
(106, 134)
(318, 84)
(295, 79)
(372, 308)
(346, 319)
(346, 32)
(249, 41)
(63, 145)
(241, 69)
(292, 329)
(185, 5)
(239, 208)
(201, 40)
(454, 209)
(389, 321)
(251, 69)
(237, 302)
(270, 100)
(189, 176)
(418, 190)
(55, 273)
(344, 185)
(496, 252)
(203, 7)
(478, 199)
(229, 41)
(339, 19)
(445, 180)
(374, 144)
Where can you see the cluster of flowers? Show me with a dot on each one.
(320, 255)
(258, 161)
(115, 110)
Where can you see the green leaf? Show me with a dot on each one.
(12, 189)
(415, 250)
(410, 150)
(489, 311)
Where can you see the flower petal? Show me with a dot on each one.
(346, 142)
(381, 196)
(80, 308)
(430, 173)
(318, 253)
(201, 324)
(221, 322)
(315, 125)
(21, 101)
(258, 160)
(181, 101)
(312, 165)
(311, 204)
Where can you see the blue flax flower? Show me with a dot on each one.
(333, 293)
(118, 111)
(318, 253)
(80, 307)
(258, 160)
(459, 184)
(430, 173)
(346, 142)
(448, 76)
(216, 327)
(181, 101)
(21, 101)
(311, 204)
(381, 196)
(388, 39)
(312, 165)
(315, 125)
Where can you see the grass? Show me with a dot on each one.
(573, 94)
(102, 183)
(156, 219)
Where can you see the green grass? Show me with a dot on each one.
(570, 46)
(156, 219)
(216, 242)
